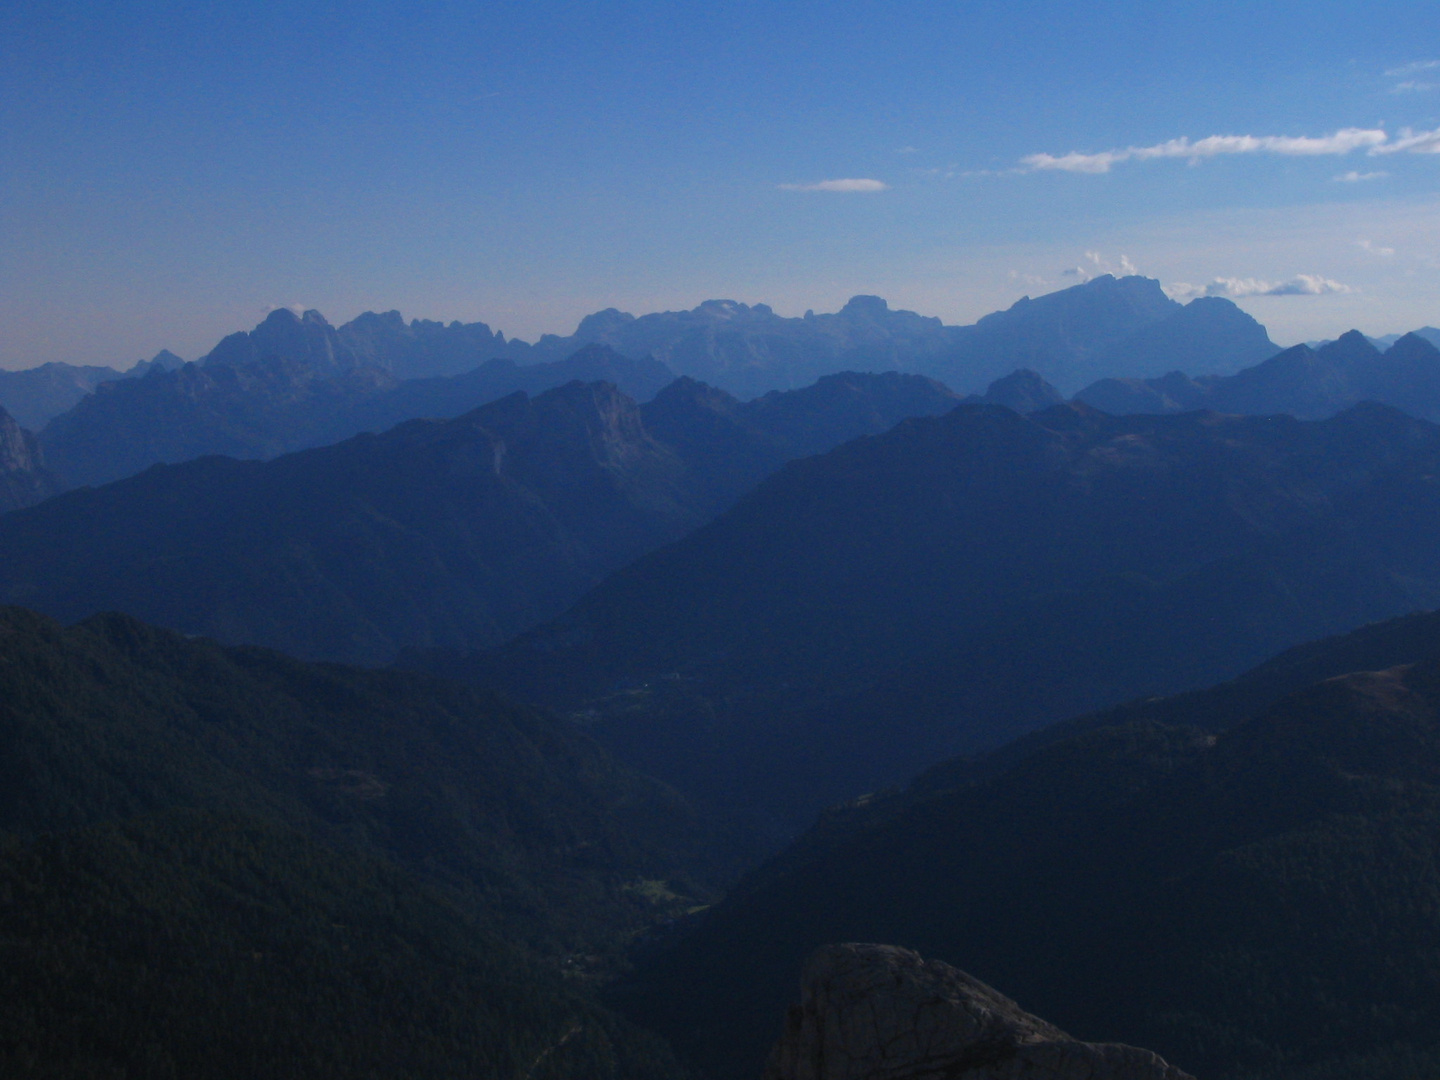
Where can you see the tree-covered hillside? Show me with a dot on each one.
(225, 862)
(1259, 902)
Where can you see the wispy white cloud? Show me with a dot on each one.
(1033, 280)
(1341, 142)
(851, 184)
(1412, 69)
(1354, 177)
(1412, 86)
(1374, 249)
(1411, 142)
(1234, 288)
(908, 150)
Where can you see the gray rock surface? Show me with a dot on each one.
(24, 480)
(877, 1012)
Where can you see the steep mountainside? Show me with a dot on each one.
(729, 446)
(24, 480)
(1209, 335)
(458, 532)
(1261, 902)
(195, 946)
(1308, 383)
(962, 579)
(112, 718)
(384, 869)
(296, 382)
(1023, 390)
(35, 395)
(254, 396)
(441, 398)
(1058, 335)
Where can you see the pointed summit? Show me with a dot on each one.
(1022, 390)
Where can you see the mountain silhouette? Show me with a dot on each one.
(1310, 383)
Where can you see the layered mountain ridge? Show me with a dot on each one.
(295, 381)
(1307, 383)
(961, 579)
(1249, 895)
(457, 533)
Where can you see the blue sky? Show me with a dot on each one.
(168, 172)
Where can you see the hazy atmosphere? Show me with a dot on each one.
(635, 541)
(169, 172)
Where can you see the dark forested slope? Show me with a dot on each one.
(1261, 902)
(962, 579)
(461, 531)
(228, 848)
(195, 946)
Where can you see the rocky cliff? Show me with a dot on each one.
(877, 1012)
(24, 480)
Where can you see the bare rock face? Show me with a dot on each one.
(876, 1012)
(24, 480)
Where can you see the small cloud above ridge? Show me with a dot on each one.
(1234, 288)
(1355, 177)
(852, 184)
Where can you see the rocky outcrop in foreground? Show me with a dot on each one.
(876, 1012)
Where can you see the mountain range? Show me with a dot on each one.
(295, 381)
(1101, 327)
(676, 592)
(292, 383)
(961, 579)
(1301, 381)
(34, 396)
(457, 533)
(1242, 880)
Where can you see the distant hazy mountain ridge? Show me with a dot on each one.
(294, 381)
(1301, 381)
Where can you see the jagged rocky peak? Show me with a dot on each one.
(874, 306)
(1024, 391)
(602, 324)
(306, 339)
(877, 1012)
